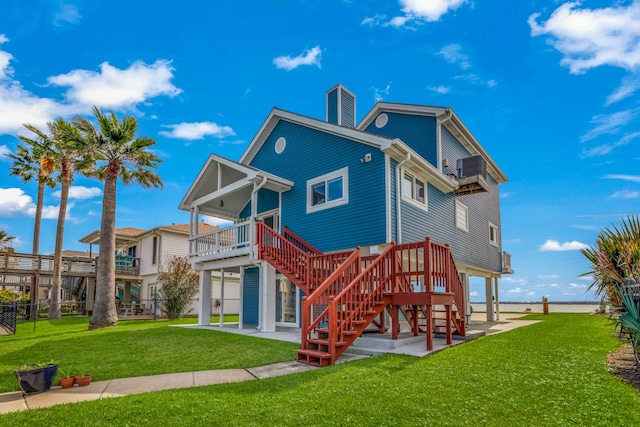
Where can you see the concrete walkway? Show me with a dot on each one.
(15, 401)
(369, 346)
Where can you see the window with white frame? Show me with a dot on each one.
(462, 216)
(493, 234)
(414, 189)
(328, 191)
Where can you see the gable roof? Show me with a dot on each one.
(451, 121)
(131, 235)
(396, 148)
(226, 177)
(276, 115)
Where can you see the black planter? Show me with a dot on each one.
(36, 380)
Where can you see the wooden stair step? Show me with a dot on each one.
(321, 341)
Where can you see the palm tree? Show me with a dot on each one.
(4, 240)
(615, 259)
(118, 153)
(69, 153)
(34, 160)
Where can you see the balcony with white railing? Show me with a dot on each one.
(232, 241)
(506, 263)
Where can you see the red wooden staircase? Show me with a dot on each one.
(345, 292)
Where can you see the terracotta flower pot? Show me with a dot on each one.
(83, 380)
(67, 382)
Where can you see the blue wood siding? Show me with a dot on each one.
(251, 296)
(311, 153)
(418, 132)
(439, 223)
(332, 106)
(267, 201)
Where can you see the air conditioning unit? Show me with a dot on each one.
(471, 166)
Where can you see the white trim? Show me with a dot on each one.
(387, 196)
(465, 209)
(497, 239)
(340, 173)
(409, 198)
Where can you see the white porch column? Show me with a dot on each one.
(221, 308)
(241, 296)
(204, 311)
(267, 298)
(495, 293)
(488, 283)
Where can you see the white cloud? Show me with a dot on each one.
(530, 294)
(604, 149)
(516, 291)
(308, 57)
(556, 246)
(4, 150)
(631, 178)
(452, 53)
(554, 285)
(379, 94)
(68, 14)
(197, 130)
(625, 194)
(588, 38)
(14, 202)
(440, 89)
(475, 80)
(427, 10)
(547, 276)
(516, 280)
(577, 286)
(111, 88)
(81, 193)
(5, 57)
(629, 86)
(116, 88)
(473, 294)
(609, 124)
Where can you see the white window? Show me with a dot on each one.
(462, 216)
(328, 191)
(414, 189)
(493, 234)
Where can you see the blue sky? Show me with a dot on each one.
(549, 88)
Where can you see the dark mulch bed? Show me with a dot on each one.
(623, 364)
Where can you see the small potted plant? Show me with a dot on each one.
(66, 380)
(36, 377)
(83, 380)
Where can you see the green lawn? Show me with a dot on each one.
(133, 348)
(550, 373)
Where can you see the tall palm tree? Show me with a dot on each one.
(68, 151)
(119, 154)
(34, 160)
(4, 240)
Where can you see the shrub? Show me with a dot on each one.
(9, 296)
(179, 284)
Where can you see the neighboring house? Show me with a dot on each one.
(404, 173)
(140, 256)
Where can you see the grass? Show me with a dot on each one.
(133, 348)
(550, 373)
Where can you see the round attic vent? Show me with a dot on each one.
(381, 120)
(281, 143)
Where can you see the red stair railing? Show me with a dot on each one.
(315, 307)
(299, 241)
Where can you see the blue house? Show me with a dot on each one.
(328, 188)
